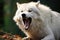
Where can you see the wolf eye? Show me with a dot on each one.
(29, 10)
(22, 11)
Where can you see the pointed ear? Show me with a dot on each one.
(18, 5)
(38, 2)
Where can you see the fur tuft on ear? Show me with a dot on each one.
(38, 2)
(18, 5)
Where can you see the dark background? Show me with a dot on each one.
(7, 11)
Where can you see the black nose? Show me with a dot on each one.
(23, 15)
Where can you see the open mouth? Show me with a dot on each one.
(27, 22)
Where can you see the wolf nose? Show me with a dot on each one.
(23, 15)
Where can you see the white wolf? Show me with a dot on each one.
(38, 21)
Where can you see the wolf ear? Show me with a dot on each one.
(18, 5)
(38, 2)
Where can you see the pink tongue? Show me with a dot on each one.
(26, 24)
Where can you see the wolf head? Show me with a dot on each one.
(29, 14)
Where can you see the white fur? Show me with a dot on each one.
(51, 19)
